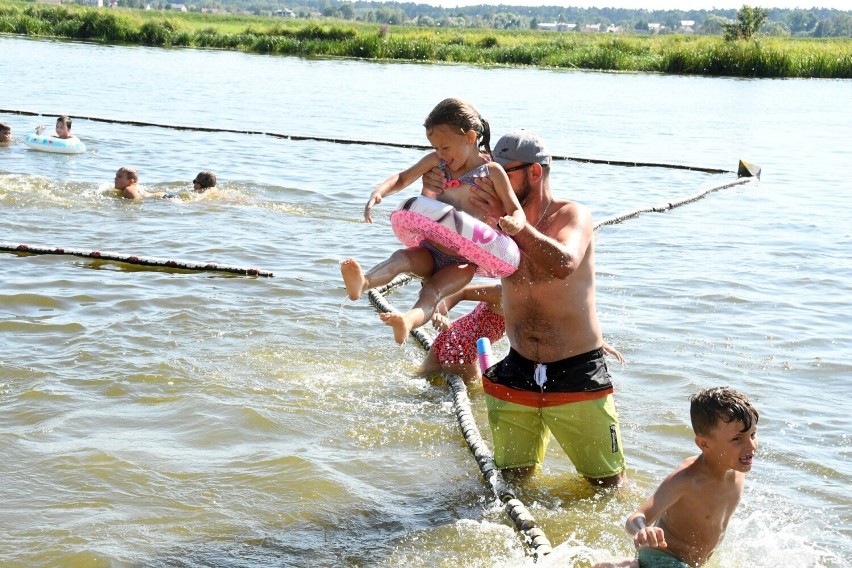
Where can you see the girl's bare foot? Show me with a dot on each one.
(399, 323)
(353, 278)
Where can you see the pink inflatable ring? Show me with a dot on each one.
(417, 219)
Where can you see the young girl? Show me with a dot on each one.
(457, 133)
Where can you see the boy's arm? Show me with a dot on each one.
(637, 524)
(399, 181)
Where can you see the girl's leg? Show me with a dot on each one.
(446, 281)
(415, 260)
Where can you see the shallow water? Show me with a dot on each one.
(168, 418)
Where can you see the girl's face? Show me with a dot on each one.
(61, 130)
(453, 146)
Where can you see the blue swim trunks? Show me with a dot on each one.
(656, 558)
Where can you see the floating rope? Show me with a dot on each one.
(514, 508)
(137, 260)
(672, 204)
(361, 142)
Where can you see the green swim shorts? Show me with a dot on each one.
(583, 420)
(656, 558)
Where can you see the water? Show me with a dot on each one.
(166, 418)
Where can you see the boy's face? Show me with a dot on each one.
(122, 180)
(5, 135)
(729, 446)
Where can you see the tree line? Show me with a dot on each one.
(815, 22)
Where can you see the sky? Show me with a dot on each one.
(655, 4)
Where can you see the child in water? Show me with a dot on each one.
(63, 129)
(681, 524)
(459, 135)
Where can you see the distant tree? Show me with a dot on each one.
(347, 11)
(713, 25)
(641, 25)
(425, 21)
(801, 21)
(534, 23)
(749, 20)
(776, 29)
(838, 25)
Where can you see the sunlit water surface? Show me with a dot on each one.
(169, 418)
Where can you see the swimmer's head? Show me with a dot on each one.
(204, 180)
(125, 176)
(5, 133)
(63, 126)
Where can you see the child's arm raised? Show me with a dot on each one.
(516, 219)
(399, 181)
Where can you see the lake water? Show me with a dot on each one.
(168, 418)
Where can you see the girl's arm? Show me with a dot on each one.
(516, 219)
(399, 181)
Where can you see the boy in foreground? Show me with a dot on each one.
(681, 524)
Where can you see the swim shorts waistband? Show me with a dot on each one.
(584, 376)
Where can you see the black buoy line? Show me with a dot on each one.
(534, 537)
(362, 142)
(138, 260)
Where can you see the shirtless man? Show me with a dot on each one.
(555, 378)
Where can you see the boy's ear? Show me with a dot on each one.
(701, 442)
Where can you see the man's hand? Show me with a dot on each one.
(434, 182)
(484, 196)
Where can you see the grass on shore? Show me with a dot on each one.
(674, 54)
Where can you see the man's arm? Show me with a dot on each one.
(560, 255)
(563, 254)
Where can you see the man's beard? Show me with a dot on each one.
(524, 191)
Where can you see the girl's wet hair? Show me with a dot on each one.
(710, 406)
(461, 114)
(66, 120)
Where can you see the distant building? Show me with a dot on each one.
(687, 26)
(285, 13)
(557, 27)
(656, 28)
(613, 29)
(592, 28)
(178, 7)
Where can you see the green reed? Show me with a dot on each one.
(675, 54)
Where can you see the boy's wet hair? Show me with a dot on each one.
(66, 120)
(130, 172)
(461, 114)
(710, 406)
(5, 127)
(206, 179)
